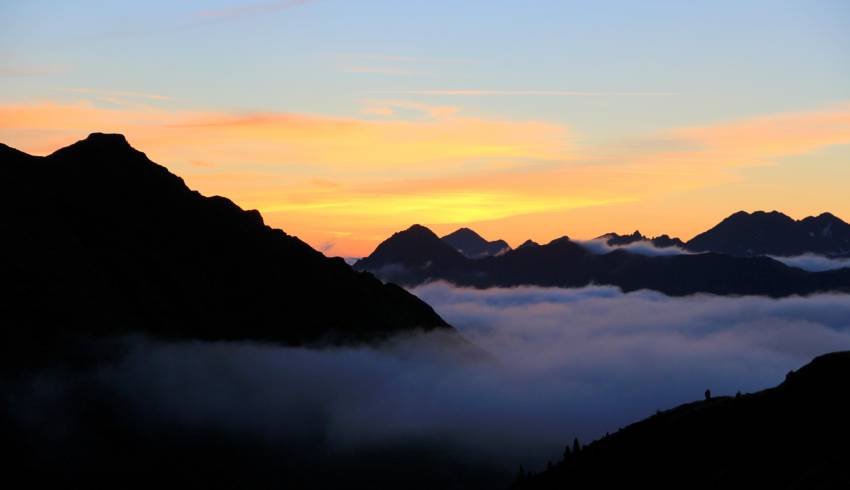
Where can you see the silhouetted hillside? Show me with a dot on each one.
(473, 245)
(416, 256)
(99, 239)
(774, 233)
(793, 436)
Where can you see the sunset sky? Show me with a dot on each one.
(345, 120)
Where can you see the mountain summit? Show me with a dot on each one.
(473, 245)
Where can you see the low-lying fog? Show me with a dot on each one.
(565, 363)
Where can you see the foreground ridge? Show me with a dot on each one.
(790, 436)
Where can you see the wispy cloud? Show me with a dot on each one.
(402, 58)
(379, 70)
(508, 93)
(384, 107)
(204, 18)
(121, 94)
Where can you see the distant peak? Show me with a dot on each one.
(417, 227)
(417, 230)
(560, 239)
(464, 232)
(100, 142)
(758, 214)
(111, 138)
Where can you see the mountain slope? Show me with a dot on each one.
(773, 233)
(790, 437)
(412, 260)
(474, 246)
(99, 239)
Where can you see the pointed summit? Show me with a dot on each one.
(528, 244)
(473, 245)
(414, 247)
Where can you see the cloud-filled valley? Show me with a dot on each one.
(565, 363)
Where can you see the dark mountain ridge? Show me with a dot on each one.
(773, 233)
(792, 436)
(564, 263)
(99, 239)
(474, 246)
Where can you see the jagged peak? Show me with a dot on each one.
(415, 231)
(560, 239)
(465, 232)
(529, 243)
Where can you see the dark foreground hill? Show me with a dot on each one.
(793, 436)
(417, 255)
(98, 239)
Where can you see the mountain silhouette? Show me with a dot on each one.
(791, 436)
(98, 239)
(416, 256)
(761, 233)
(473, 245)
(661, 241)
(528, 243)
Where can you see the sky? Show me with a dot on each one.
(343, 121)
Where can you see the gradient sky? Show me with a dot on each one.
(346, 120)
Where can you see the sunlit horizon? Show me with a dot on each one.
(608, 118)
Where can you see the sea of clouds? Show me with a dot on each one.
(561, 363)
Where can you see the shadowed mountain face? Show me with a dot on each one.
(773, 233)
(474, 246)
(416, 256)
(99, 239)
(791, 436)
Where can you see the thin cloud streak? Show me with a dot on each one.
(121, 93)
(535, 93)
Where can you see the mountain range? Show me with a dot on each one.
(417, 255)
(742, 234)
(98, 239)
(773, 233)
(792, 436)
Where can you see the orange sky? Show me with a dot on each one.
(344, 184)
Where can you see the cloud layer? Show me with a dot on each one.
(813, 262)
(565, 363)
(643, 247)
